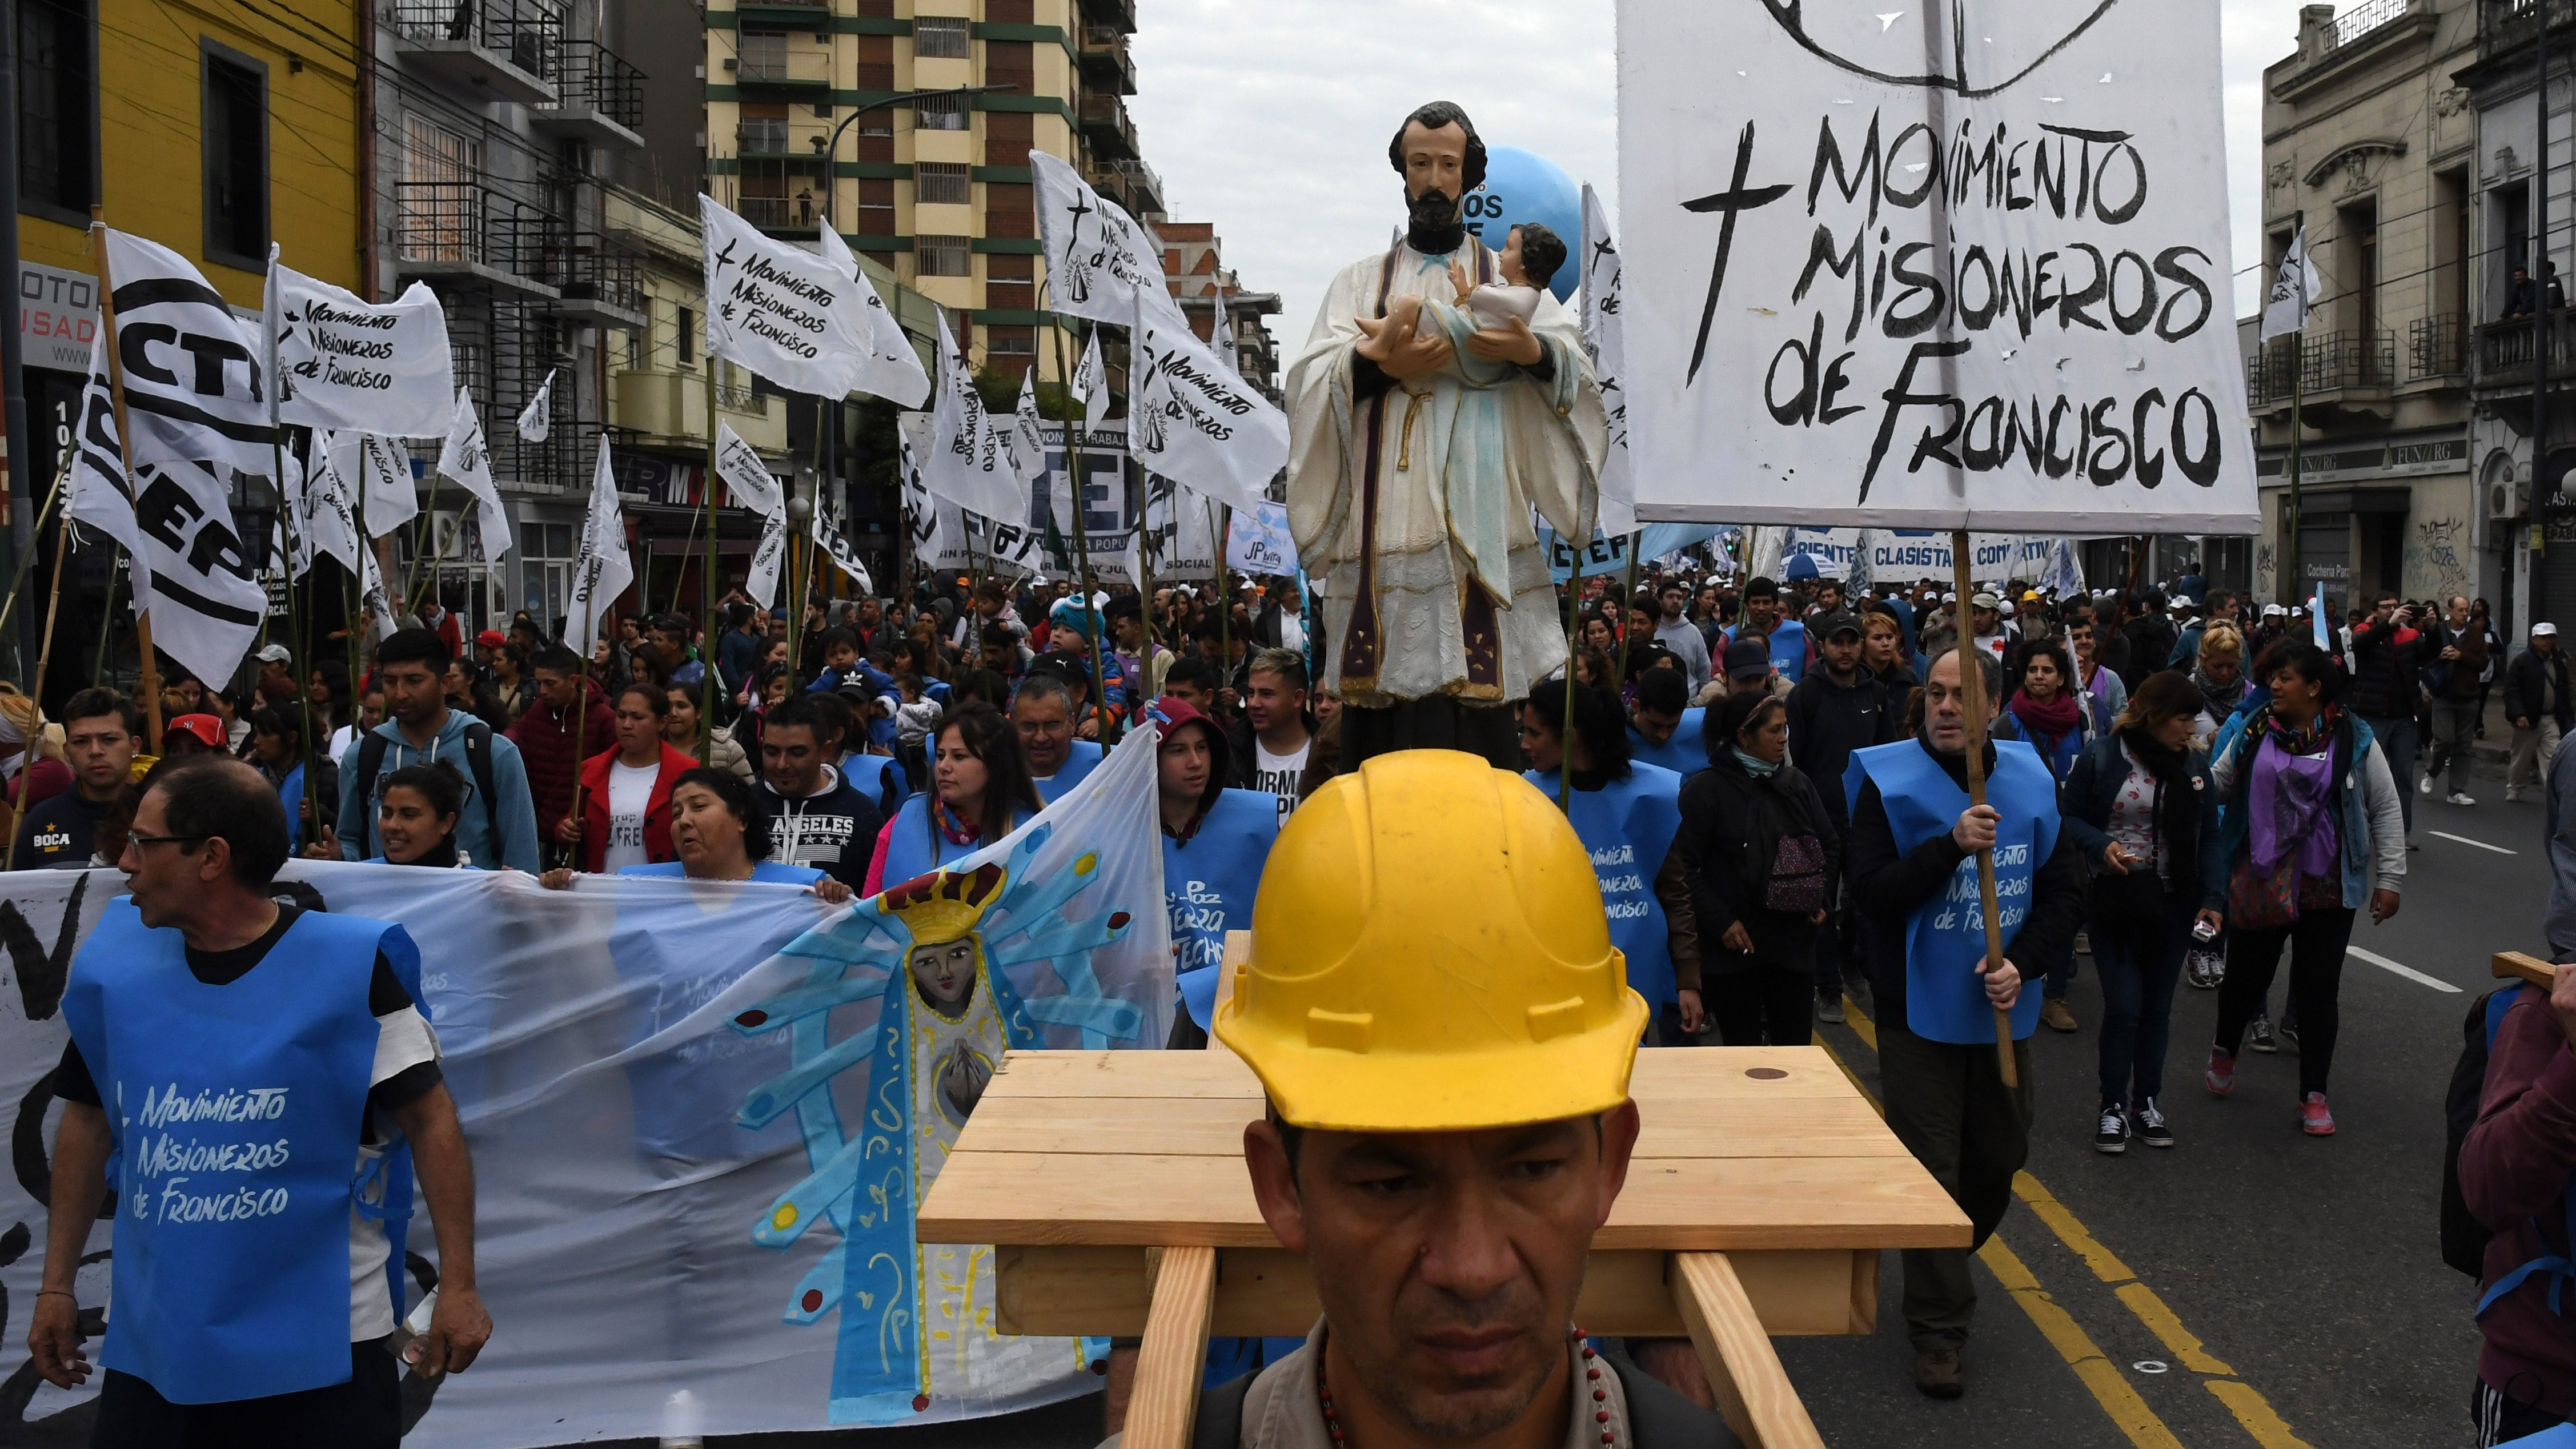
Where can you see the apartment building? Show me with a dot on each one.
(2371, 144)
(1194, 261)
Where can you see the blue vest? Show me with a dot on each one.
(882, 778)
(1078, 765)
(290, 793)
(764, 872)
(1208, 884)
(1685, 754)
(1945, 998)
(1788, 649)
(1629, 826)
(916, 849)
(233, 1115)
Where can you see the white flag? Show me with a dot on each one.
(189, 566)
(387, 488)
(536, 420)
(834, 542)
(937, 537)
(325, 520)
(99, 493)
(798, 319)
(1258, 542)
(1182, 528)
(193, 390)
(753, 485)
(1221, 334)
(467, 463)
(1091, 383)
(1026, 438)
(893, 369)
(344, 363)
(1602, 338)
(766, 561)
(1190, 419)
(376, 598)
(1100, 263)
(968, 464)
(2295, 288)
(600, 571)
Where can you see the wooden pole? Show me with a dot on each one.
(107, 616)
(679, 575)
(1627, 598)
(18, 585)
(1093, 618)
(706, 588)
(427, 531)
(150, 682)
(1972, 701)
(36, 692)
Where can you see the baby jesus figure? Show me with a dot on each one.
(1528, 262)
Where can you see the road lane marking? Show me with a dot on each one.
(2118, 1397)
(2243, 1400)
(2480, 844)
(2409, 972)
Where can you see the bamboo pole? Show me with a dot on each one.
(44, 656)
(706, 591)
(150, 682)
(107, 617)
(1627, 601)
(18, 585)
(1972, 691)
(1094, 624)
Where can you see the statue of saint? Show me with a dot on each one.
(1426, 426)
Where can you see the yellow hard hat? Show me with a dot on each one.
(1429, 954)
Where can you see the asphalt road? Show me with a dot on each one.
(2249, 1287)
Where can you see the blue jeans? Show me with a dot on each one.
(2398, 740)
(2139, 961)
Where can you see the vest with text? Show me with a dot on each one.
(1628, 826)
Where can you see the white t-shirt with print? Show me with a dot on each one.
(1279, 774)
(630, 793)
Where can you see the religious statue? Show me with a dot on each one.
(1428, 422)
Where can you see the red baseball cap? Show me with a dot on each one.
(491, 638)
(204, 726)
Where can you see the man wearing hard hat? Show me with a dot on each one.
(1444, 1034)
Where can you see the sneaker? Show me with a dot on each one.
(2512, 795)
(2314, 1118)
(2083, 943)
(1829, 1009)
(1856, 989)
(2258, 1035)
(2153, 1130)
(2424, 786)
(2289, 1031)
(2111, 1136)
(2054, 1015)
(2221, 1076)
(1936, 1373)
(2463, 797)
(2204, 968)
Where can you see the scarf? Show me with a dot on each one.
(2222, 699)
(2177, 807)
(2298, 741)
(2052, 719)
(947, 824)
(1754, 765)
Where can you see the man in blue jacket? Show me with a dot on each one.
(497, 829)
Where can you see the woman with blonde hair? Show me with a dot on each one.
(2220, 677)
(31, 756)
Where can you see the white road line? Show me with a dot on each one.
(2409, 972)
(2480, 844)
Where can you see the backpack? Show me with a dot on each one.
(371, 760)
(2464, 1238)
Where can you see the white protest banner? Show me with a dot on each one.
(768, 560)
(1604, 342)
(1103, 505)
(968, 463)
(1091, 382)
(99, 492)
(388, 490)
(1025, 439)
(1831, 553)
(1958, 265)
(2296, 287)
(937, 532)
(1608, 553)
(633, 1138)
(1258, 542)
(832, 537)
(191, 369)
(891, 369)
(1100, 263)
(344, 363)
(1189, 417)
(326, 521)
(600, 569)
(536, 420)
(1180, 527)
(746, 474)
(1902, 555)
(467, 463)
(790, 316)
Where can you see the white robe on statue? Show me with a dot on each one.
(1431, 637)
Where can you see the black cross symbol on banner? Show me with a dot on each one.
(1733, 201)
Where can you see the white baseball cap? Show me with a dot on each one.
(2544, 627)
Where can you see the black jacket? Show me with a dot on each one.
(2522, 679)
(834, 832)
(2385, 658)
(1890, 886)
(1827, 721)
(1722, 848)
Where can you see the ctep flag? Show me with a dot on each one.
(193, 390)
(467, 463)
(536, 420)
(99, 493)
(1191, 419)
(344, 363)
(2295, 288)
(1603, 338)
(600, 571)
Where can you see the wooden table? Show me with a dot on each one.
(1113, 1188)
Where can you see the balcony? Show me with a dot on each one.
(493, 50)
(1105, 124)
(1105, 61)
(792, 139)
(2438, 348)
(2332, 368)
(2506, 26)
(599, 98)
(465, 229)
(1120, 14)
(802, 68)
(602, 284)
(670, 407)
(1143, 184)
(780, 213)
(2502, 361)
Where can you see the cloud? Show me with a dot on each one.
(1270, 118)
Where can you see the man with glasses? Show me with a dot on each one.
(99, 741)
(265, 1167)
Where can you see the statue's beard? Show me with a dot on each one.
(1432, 224)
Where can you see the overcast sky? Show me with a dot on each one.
(1270, 118)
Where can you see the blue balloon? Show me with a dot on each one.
(1524, 186)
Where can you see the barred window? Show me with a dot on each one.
(940, 38)
(942, 183)
(940, 112)
(943, 256)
